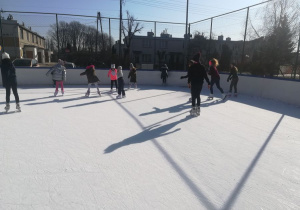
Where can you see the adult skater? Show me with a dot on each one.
(164, 74)
(9, 80)
(196, 75)
(112, 73)
(121, 91)
(215, 78)
(92, 78)
(233, 76)
(132, 76)
(59, 75)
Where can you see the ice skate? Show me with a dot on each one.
(229, 94)
(87, 94)
(210, 97)
(198, 111)
(190, 99)
(224, 96)
(99, 93)
(55, 93)
(62, 92)
(123, 96)
(7, 107)
(118, 97)
(18, 107)
(111, 90)
(193, 111)
(135, 86)
(235, 94)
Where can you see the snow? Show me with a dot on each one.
(145, 151)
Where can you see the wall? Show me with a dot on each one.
(277, 89)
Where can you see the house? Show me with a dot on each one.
(21, 42)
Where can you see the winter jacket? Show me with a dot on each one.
(213, 71)
(132, 75)
(90, 74)
(119, 73)
(113, 74)
(233, 73)
(8, 73)
(197, 73)
(58, 72)
(164, 71)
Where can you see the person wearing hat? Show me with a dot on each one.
(196, 75)
(121, 91)
(92, 78)
(59, 74)
(9, 80)
(164, 74)
(132, 76)
(215, 78)
(112, 73)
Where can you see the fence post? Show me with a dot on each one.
(245, 35)
(296, 62)
(186, 36)
(120, 33)
(103, 47)
(57, 37)
(109, 35)
(98, 14)
(211, 24)
(1, 32)
(154, 47)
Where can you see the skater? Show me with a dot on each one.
(196, 75)
(233, 76)
(59, 75)
(215, 78)
(164, 74)
(112, 73)
(121, 91)
(9, 80)
(92, 78)
(132, 76)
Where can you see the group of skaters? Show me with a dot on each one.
(196, 75)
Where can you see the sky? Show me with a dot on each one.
(156, 10)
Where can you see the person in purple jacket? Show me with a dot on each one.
(215, 78)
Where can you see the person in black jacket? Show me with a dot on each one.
(92, 78)
(164, 74)
(9, 80)
(196, 75)
(233, 76)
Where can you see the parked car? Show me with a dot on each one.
(69, 65)
(25, 62)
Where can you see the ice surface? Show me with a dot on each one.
(145, 151)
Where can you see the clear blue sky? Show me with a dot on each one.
(159, 10)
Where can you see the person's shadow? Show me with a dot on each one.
(171, 109)
(147, 134)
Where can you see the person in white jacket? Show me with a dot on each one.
(59, 75)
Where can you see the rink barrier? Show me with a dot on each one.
(271, 88)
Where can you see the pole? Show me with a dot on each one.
(57, 36)
(120, 35)
(109, 34)
(101, 32)
(98, 14)
(1, 32)
(296, 63)
(186, 35)
(211, 24)
(154, 59)
(245, 35)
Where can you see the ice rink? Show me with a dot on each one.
(145, 151)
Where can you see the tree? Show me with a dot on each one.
(225, 59)
(132, 27)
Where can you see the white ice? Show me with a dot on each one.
(146, 152)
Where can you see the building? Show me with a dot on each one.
(21, 42)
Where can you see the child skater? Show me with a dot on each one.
(92, 78)
(59, 75)
(121, 91)
(233, 76)
(112, 73)
(132, 76)
(164, 74)
(9, 80)
(215, 78)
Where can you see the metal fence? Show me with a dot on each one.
(78, 38)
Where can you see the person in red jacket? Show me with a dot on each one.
(112, 73)
(215, 78)
(92, 78)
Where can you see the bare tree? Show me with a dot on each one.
(132, 27)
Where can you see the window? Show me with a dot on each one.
(21, 33)
(32, 38)
(37, 40)
(163, 44)
(146, 58)
(146, 43)
(27, 36)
